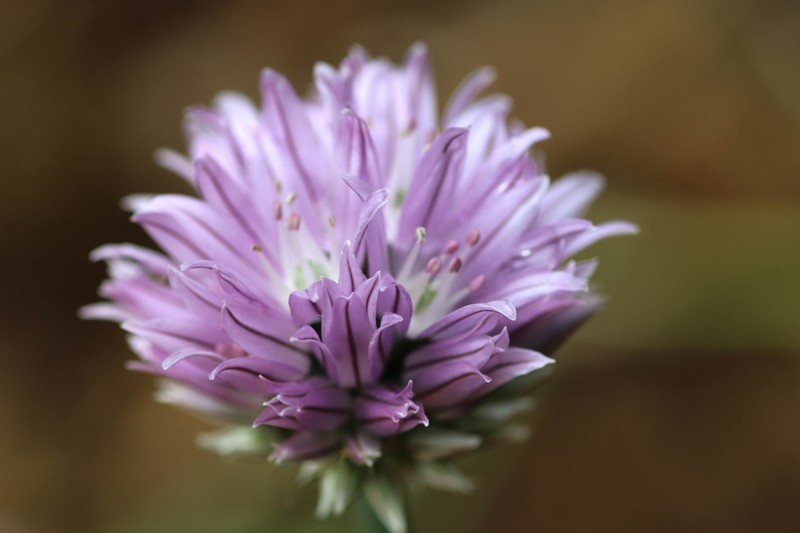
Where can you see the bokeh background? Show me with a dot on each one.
(676, 409)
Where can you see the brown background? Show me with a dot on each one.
(675, 410)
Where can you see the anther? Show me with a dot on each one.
(455, 264)
(277, 210)
(421, 234)
(290, 198)
(473, 237)
(294, 222)
(451, 247)
(331, 221)
(433, 266)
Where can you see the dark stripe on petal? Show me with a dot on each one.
(261, 334)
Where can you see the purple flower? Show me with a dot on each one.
(356, 271)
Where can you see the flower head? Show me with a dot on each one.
(356, 271)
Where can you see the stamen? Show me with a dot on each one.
(455, 264)
(277, 210)
(411, 259)
(331, 221)
(290, 198)
(433, 266)
(294, 222)
(473, 237)
(229, 349)
(451, 247)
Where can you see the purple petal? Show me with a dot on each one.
(394, 298)
(314, 404)
(244, 373)
(357, 155)
(306, 445)
(451, 385)
(347, 332)
(433, 357)
(285, 118)
(307, 335)
(510, 364)
(309, 305)
(466, 93)
(545, 327)
(174, 334)
(435, 179)
(189, 229)
(380, 344)
(608, 229)
(350, 274)
(151, 262)
(370, 237)
(258, 338)
(570, 196)
(471, 319)
(385, 412)
(213, 357)
(227, 197)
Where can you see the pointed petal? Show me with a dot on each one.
(380, 344)
(452, 385)
(350, 274)
(438, 172)
(261, 341)
(244, 373)
(286, 119)
(471, 319)
(512, 363)
(467, 91)
(347, 332)
(306, 445)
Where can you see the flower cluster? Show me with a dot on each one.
(356, 272)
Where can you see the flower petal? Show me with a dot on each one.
(471, 320)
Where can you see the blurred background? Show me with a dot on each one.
(676, 409)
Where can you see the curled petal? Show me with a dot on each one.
(383, 411)
(347, 332)
(245, 373)
(175, 334)
(308, 336)
(434, 357)
(380, 344)
(454, 384)
(151, 262)
(512, 363)
(350, 274)
(394, 298)
(308, 306)
(257, 338)
(471, 319)
(186, 353)
(314, 404)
